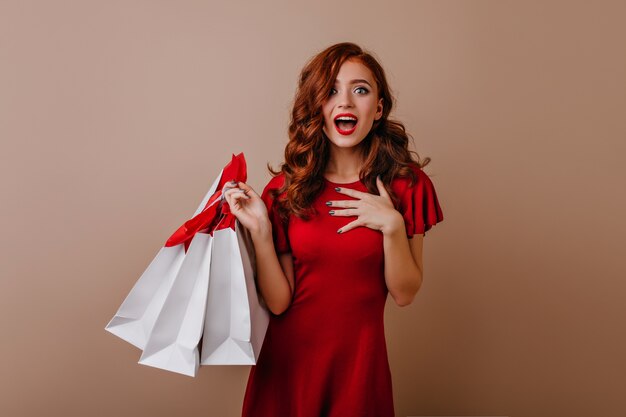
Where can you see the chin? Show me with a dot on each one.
(343, 141)
(346, 144)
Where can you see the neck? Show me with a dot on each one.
(344, 162)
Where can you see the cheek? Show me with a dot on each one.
(329, 123)
(326, 126)
(327, 115)
(373, 105)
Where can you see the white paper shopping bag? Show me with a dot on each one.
(235, 322)
(134, 320)
(136, 316)
(173, 342)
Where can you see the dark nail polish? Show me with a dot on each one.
(339, 231)
(331, 212)
(328, 203)
(336, 188)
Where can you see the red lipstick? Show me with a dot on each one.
(345, 116)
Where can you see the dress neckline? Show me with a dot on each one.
(342, 183)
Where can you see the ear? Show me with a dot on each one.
(379, 110)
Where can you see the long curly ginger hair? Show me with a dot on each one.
(385, 147)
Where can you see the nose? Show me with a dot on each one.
(345, 99)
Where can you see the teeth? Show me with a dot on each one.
(346, 118)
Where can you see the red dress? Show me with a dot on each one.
(326, 355)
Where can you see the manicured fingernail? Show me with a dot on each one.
(328, 203)
(336, 188)
(339, 231)
(331, 212)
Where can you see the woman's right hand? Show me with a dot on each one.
(247, 206)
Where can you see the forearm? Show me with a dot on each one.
(273, 283)
(402, 275)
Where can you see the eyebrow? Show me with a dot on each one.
(358, 80)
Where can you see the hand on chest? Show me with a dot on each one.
(317, 240)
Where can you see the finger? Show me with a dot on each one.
(349, 227)
(235, 193)
(234, 201)
(229, 184)
(346, 203)
(351, 192)
(381, 187)
(348, 212)
(240, 195)
(227, 187)
(249, 190)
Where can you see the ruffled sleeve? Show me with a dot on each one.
(279, 229)
(419, 205)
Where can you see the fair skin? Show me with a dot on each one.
(402, 256)
(349, 95)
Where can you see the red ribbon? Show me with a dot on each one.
(215, 215)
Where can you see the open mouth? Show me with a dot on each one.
(345, 123)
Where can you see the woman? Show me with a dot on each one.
(339, 227)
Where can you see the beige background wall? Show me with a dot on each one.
(115, 117)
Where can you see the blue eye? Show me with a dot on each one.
(365, 90)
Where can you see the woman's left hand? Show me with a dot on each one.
(374, 211)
